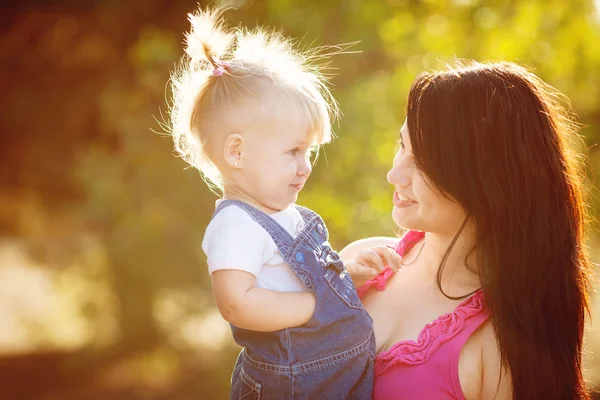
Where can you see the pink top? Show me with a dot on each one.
(426, 368)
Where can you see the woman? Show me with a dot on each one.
(489, 187)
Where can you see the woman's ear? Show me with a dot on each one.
(235, 145)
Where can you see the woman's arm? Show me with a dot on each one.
(247, 306)
(496, 380)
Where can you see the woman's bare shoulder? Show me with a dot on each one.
(351, 251)
(496, 382)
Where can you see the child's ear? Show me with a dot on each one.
(235, 145)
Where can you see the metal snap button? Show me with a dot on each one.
(319, 229)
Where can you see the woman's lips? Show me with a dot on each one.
(402, 201)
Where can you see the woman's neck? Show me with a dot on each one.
(459, 274)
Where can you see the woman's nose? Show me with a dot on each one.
(396, 177)
(404, 181)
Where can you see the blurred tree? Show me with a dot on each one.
(83, 82)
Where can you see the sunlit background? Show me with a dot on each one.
(104, 292)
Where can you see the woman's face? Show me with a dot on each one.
(418, 204)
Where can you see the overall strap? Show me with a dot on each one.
(307, 214)
(280, 236)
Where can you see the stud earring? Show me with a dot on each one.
(235, 163)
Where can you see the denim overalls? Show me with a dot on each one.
(332, 355)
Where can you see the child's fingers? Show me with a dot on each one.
(370, 272)
(397, 259)
(372, 259)
(387, 255)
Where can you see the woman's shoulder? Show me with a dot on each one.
(351, 250)
(408, 240)
(494, 380)
(401, 246)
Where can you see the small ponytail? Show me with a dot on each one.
(208, 42)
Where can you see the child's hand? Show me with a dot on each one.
(370, 262)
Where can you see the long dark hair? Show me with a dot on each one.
(495, 138)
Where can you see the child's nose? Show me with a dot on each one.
(304, 168)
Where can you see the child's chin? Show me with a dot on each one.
(285, 203)
(292, 198)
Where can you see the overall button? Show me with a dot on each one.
(319, 229)
(299, 257)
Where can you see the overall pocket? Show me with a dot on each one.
(342, 285)
(243, 387)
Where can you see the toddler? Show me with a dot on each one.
(248, 112)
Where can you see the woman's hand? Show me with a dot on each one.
(370, 262)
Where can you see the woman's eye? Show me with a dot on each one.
(400, 143)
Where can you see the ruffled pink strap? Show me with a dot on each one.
(471, 311)
(378, 282)
(407, 241)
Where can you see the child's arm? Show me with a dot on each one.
(247, 306)
(366, 258)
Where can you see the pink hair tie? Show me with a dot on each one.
(220, 69)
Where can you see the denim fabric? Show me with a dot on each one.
(329, 357)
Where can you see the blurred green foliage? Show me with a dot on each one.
(85, 87)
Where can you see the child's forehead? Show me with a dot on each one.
(286, 117)
(291, 131)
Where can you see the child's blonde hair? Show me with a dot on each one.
(222, 67)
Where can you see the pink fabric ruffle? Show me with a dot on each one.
(431, 337)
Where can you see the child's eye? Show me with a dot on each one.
(294, 152)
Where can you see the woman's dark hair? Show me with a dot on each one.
(495, 138)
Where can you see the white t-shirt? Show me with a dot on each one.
(233, 240)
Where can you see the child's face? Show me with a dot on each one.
(276, 162)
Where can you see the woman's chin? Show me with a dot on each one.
(403, 220)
